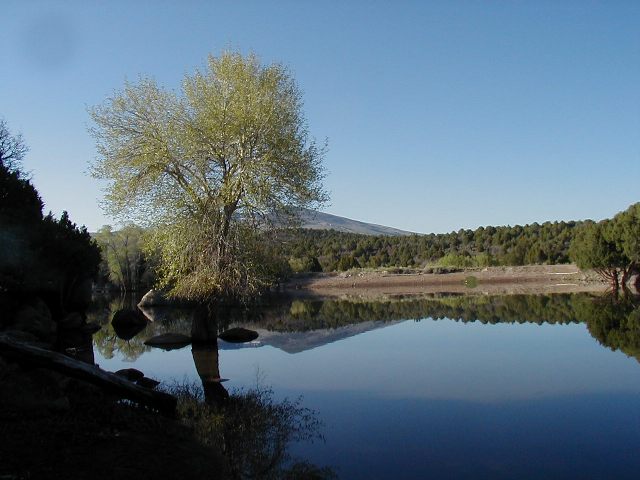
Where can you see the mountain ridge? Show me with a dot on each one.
(314, 220)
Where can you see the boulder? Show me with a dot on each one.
(238, 335)
(128, 323)
(155, 298)
(126, 317)
(169, 341)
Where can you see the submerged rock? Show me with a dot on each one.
(238, 335)
(169, 341)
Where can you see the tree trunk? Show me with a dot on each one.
(224, 234)
(626, 273)
(615, 284)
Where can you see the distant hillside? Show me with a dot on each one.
(325, 221)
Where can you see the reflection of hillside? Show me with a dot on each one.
(296, 342)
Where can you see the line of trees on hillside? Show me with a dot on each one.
(610, 247)
(546, 243)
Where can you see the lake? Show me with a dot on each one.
(443, 386)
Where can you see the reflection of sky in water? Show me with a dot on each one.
(445, 399)
(448, 360)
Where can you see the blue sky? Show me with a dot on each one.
(439, 115)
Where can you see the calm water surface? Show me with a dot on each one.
(435, 387)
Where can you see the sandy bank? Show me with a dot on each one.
(491, 280)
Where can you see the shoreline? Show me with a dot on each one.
(490, 280)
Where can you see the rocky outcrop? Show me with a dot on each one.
(156, 298)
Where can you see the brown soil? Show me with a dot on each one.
(494, 280)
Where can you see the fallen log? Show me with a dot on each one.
(32, 355)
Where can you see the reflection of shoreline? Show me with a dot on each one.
(299, 324)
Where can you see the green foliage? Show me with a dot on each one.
(209, 169)
(456, 260)
(625, 232)
(486, 246)
(471, 281)
(304, 264)
(614, 322)
(610, 247)
(123, 260)
(347, 262)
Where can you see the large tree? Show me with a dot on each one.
(208, 169)
(593, 248)
(611, 247)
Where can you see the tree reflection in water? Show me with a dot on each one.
(613, 322)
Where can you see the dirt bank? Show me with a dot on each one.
(496, 280)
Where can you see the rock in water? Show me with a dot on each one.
(155, 298)
(128, 323)
(238, 335)
(169, 341)
(128, 317)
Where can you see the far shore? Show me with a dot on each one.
(490, 280)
